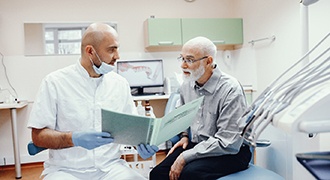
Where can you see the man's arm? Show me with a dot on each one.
(51, 139)
(48, 138)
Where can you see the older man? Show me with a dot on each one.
(215, 147)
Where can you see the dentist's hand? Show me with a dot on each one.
(146, 151)
(91, 139)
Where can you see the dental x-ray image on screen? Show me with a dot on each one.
(142, 73)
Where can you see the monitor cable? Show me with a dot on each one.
(6, 75)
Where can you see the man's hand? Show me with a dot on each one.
(91, 139)
(183, 142)
(177, 167)
(146, 151)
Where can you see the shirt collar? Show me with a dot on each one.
(210, 84)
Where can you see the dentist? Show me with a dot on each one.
(66, 115)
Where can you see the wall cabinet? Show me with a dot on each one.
(220, 31)
(162, 33)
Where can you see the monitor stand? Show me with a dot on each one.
(140, 92)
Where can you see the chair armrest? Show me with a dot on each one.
(33, 149)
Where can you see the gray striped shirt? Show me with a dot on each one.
(217, 127)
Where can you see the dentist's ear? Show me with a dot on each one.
(89, 50)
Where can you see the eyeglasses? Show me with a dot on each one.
(190, 60)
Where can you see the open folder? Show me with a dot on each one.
(133, 129)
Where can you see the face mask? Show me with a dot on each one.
(104, 68)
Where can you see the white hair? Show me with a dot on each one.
(203, 45)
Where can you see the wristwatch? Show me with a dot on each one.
(184, 135)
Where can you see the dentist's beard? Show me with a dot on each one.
(194, 75)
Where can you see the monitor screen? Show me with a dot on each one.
(142, 73)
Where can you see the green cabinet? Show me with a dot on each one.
(221, 31)
(162, 33)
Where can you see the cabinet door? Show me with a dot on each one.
(163, 32)
(228, 31)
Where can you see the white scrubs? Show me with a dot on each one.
(70, 100)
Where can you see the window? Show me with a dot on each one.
(65, 38)
(54, 38)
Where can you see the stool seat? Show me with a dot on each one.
(253, 173)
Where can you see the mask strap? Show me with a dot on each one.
(90, 59)
(98, 57)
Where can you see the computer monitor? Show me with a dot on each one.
(141, 74)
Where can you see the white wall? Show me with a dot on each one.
(257, 65)
(26, 72)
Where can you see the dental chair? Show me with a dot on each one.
(253, 172)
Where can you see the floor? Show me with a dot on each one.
(29, 171)
(32, 171)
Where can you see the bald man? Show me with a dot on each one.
(66, 115)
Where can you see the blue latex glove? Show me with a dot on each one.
(146, 151)
(91, 140)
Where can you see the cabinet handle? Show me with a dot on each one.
(166, 43)
(219, 42)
